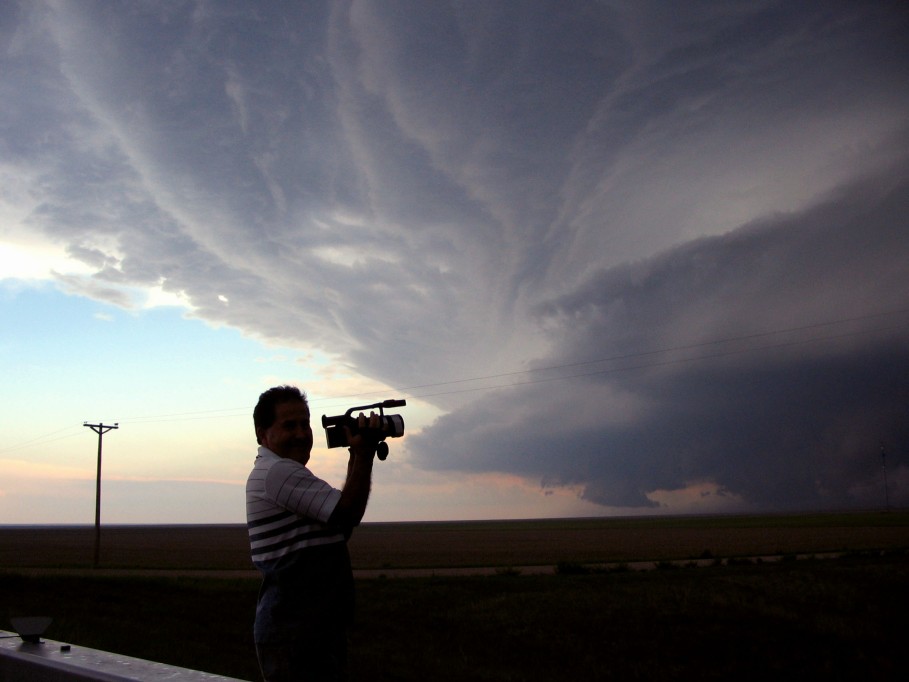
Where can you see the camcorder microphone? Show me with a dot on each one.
(390, 426)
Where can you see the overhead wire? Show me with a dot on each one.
(42, 440)
(639, 354)
(415, 391)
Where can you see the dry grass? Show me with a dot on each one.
(741, 620)
(550, 542)
(471, 544)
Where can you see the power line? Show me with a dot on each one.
(630, 356)
(411, 390)
(658, 351)
(185, 416)
(40, 440)
(650, 365)
(414, 390)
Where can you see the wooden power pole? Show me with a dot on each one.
(100, 429)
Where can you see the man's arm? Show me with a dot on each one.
(355, 494)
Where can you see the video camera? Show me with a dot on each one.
(390, 426)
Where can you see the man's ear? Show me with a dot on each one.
(260, 435)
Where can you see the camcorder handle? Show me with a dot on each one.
(391, 426)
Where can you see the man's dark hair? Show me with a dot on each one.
(266, 409)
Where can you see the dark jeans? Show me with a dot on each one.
(305, 607)
(324, 661)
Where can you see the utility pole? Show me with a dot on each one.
(100, 429)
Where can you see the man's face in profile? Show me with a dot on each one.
(290, 435)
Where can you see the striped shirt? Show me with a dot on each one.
(287, 508)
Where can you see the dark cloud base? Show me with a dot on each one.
(787, 434)
(783, 366)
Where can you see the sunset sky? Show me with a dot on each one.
(619, 257)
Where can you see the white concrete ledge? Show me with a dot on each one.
(50, 661)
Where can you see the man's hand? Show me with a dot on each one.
(355, 494)
(361, 444)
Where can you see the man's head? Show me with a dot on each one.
(281, 418)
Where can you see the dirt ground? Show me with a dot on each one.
(386, 546)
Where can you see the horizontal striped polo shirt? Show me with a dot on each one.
(287, 508)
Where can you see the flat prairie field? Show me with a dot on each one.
(464, 604)
(471, 544)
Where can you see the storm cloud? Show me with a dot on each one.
(770, 363)
(626, 247)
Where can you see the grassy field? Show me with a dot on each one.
(735, 618)
(469, 544)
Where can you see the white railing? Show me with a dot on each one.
(50, 661)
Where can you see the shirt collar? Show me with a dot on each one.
(266, 453)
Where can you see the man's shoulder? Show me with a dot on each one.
(263, 454)
(274, 468)
(266, 459)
